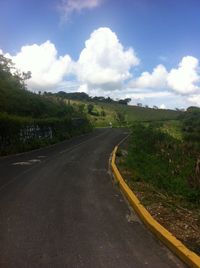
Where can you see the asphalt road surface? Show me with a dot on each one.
(59, 207)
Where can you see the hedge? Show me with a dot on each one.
(18, 134)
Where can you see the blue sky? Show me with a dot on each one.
(160, 32)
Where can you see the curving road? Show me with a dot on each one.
(60, 208)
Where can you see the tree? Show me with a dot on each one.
(26, 76)
(103, 113)
(193, 108)
(5, 65)
(81, 108)
(11, 75)
(90, 108)
(125, 101)
(121, 118)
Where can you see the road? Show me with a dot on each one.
(59, 207)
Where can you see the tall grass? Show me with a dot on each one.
(168, 163)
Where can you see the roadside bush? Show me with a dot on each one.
(160, 159)
(191, 126)
(19, 134)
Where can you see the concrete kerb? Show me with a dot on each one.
(188, 256)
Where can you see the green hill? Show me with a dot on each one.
(21, 102)
(29, 120)
(130, 114)
(15, 100)
(119, 114)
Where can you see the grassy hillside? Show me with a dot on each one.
(119, 114)
(101, 111)
(165, 161)
(135, 113)
(29, 120)
(21, 102)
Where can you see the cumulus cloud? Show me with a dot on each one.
(67, 7)
(104, 61)
(142, 95)
(83, 88)
(104, 67)
(182, 80)
(162, 106)
(185, 78)
(156, 79)
(47, 68)
(194, 99)
(103, 64)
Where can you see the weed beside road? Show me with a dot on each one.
(160, 167)
(168, 163)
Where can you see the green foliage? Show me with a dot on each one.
(160, 159)
(103, 113)
(173, 128)
(16, 100)
(191, 125)
(5, 66)
(28, 120)
(81, 108)
(120, 118)
(22, 133)
(73, 95)
(125, 101)
(106, 110)
(90, 108)
(120, 114)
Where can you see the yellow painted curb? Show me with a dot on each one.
(188, 256)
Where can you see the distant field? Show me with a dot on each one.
(135, 113)
(119, 114)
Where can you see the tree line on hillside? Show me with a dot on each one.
(82, 96)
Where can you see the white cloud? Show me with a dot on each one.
(194, 99)
(83, 88)
(162, 106)
(104, 61)
(185, 78)
(48, 70)
(67, 7)
(156, 79)
(182, 80)
(104, 68)
(146, 95)
(103, 64)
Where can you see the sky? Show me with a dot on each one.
(146, 50)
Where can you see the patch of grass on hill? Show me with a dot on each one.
(135, 113)
(163, 160)
(123, 115)
(22, 102)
